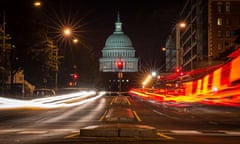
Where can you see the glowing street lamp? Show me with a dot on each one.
(37, 4)
(164, 49)
(67, 31)
(75, 40)
(154, 74)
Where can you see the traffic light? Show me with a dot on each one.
(75, 76)
(120, 64)
(178, 70)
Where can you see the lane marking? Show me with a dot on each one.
(136, 115)
(71, 135)
(232, 132)
(186, 132)
(112, 100)
(4, 131)
(103, 116)
(167, 116)
(32, 132)
(165, 136)
(128, 101)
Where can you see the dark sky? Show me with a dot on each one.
(147, 23)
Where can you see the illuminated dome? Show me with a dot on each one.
(118, 41)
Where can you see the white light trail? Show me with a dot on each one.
(68, 100)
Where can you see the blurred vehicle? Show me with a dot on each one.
(44, 92)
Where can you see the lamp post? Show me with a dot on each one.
(154, 75)
(178, 45)
(67, 31)
(120, 74)
(56, 69)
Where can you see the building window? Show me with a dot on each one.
(219, 46)
(130, 65)
(219, 21)
(227, 21)
(219, 33)
(219, 7)
(228, 8)
(228, 34)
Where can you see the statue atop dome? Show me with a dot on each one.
(118, 25)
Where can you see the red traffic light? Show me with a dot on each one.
(75, 76)
(120, 64)
(178, 70)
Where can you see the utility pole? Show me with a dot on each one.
(3, 52)
(56, 68)
(177, 46)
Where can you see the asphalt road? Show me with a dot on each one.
(119, 119)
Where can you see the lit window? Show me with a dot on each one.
(219, 21)
(219, 7)
(228, 34)
(228, 8)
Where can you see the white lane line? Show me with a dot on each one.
(32, 132)
(4, 131)
(35, 131)
(204, 132)
(186, 132)
(159, 113)
(237, 133)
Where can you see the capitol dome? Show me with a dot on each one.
(118, 40)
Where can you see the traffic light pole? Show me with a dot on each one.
(120, 76)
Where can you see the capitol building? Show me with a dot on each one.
(118, 46)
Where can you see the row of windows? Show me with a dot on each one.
(119, 54)
(221, 7)
(223, 34)
(128, 65)
(220, 21)
(221, 45)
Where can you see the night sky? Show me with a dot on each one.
(146, 23)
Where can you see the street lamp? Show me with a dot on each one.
(66, 33)
(37, 4)
(154, 75)
(75, 40)
(164, 49)
(178, 28)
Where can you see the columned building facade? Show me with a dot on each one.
(118, 46)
